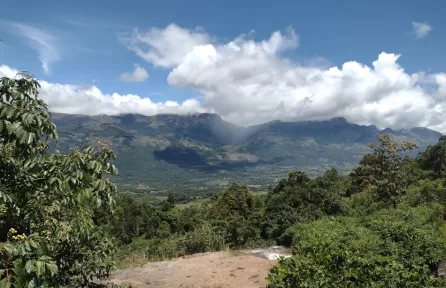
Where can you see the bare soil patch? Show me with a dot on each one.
(206, 270)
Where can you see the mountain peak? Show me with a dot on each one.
(208, 116)
(339, 120)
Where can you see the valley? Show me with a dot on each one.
(199, 154)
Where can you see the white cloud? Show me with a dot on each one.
(165, 47)
(6, 71)
(40, 40)
(250, 82)
(90, 100)
(138, 75)
(254, 87)
(421, 29)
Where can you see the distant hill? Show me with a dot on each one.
(196, 153)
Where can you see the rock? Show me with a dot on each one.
(442, 269)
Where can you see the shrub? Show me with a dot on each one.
(390, 248)
(203, 239)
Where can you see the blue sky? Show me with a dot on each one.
(90, 43)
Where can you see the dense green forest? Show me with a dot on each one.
(64, 224)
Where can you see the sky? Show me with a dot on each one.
(372, 62)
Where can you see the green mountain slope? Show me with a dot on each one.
(196, 153)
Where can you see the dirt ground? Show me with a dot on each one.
(207, 270)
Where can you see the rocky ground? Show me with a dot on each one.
(208, 270)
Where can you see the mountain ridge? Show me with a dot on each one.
(218, 119)
(204, 148)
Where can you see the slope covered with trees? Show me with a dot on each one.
(381, 226)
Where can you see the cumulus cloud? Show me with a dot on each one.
(41, 41)
(421, 29)
(138, 75)
(90, 100)
(165, 47)
(249, 82)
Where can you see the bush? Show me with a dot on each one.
(427, 191)
(203, 239)
(390, 248)
(349, 270)
(362, 204)
(299, 199)
(143, 250)
(163, 230)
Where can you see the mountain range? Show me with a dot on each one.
(198, 152)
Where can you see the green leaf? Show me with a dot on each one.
(27, 246)
(32, 283)
(45, 258)
(98, 202)
(29, 266)
(39, 268)
(52, 268)
(33, 244)
(11, 110)
(10, 249)
(31, 137)
(5, 283)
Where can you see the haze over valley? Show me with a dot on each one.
(205, 152)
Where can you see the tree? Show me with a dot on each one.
(48, 237)
(163, 230)
(382, 172)
(169, 203)
(300, 199)
(236, 200)
(233, 214)
(434, 158)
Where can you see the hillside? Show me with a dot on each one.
(193, 154)
(64, 224)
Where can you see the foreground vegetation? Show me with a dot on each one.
(381, 226)
(62, 223)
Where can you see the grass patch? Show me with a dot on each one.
(195, 202)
